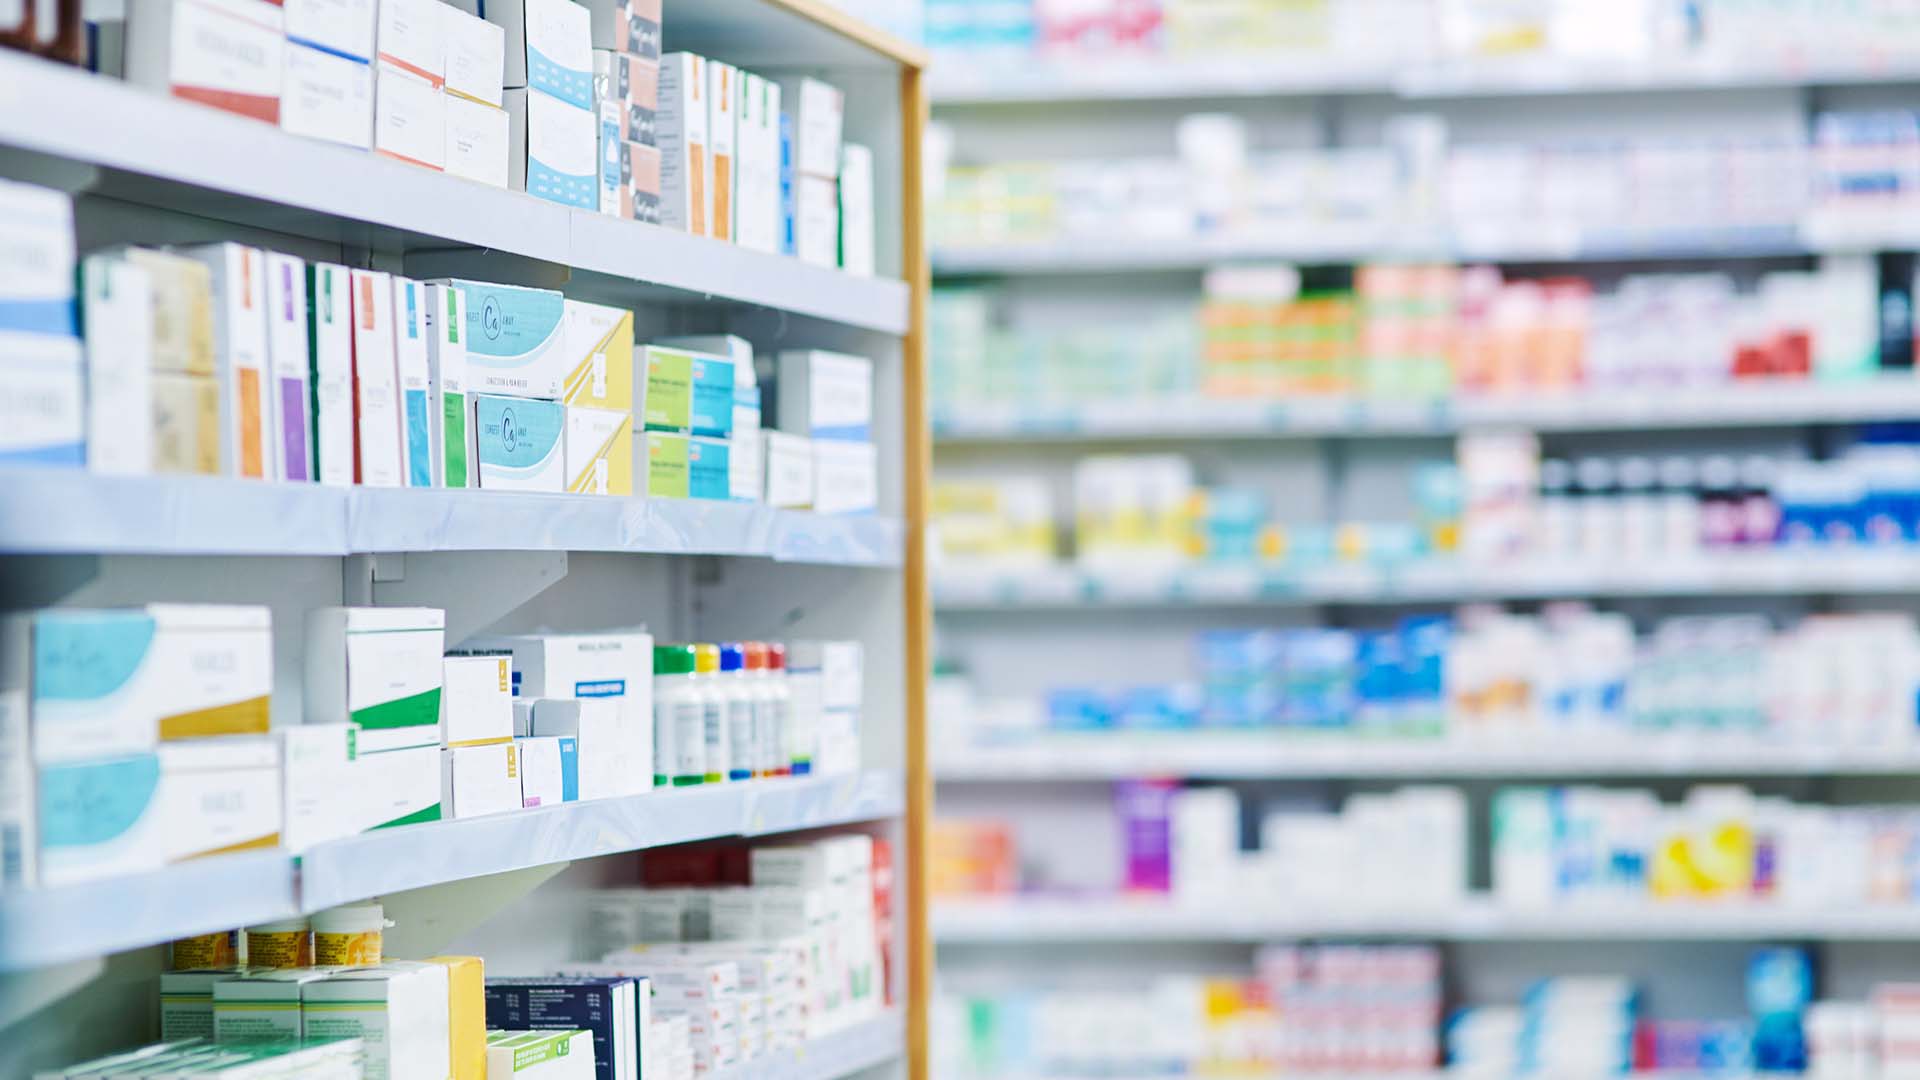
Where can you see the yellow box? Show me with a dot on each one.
(599, 452)
(466, 1015)
(186, 424)
(599, 344)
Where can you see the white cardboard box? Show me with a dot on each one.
(398, 1010)
(449, 409)
(553, 149)
(789, 470)
(320, 792)
(686, 172)
(410, 361)
(599, 451)
(376, 381)
(479, 780)
(723, 117)
(818, 112)
(856, 209)
(289, 368)
(478, 141)
(341, 26)
(334, 448)
(604, 742)
(327, 96)
(757, 213)
(816, 220)
(475, 56)
(549, 770)
(476, 699)
(409, 116)
(224, 53)
(825, 395)
(845, 477)
(549, 47)
(398, 787)
(117, 305)
(409, 37)
(240, 356)
(18, 828)
(219, 794)
(378, 668)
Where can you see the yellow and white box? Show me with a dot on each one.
(219, 795)
(479, 141)
(186, 424)
(182, 311)
(553, 149)
(240, 356)
(476, 701)
(327, 95)
(479, 780)
(788, 470)
(617, 665)
(846, 477)
(398, 1010)
(723, 117)
(379, 669)
(449, 412)
(410, 362)
(398, 787)
(224, 53)
(466, 1015)
(604, 743)
(599, 452)
(376, 382)
(117, 309)
(320, 796)
(186, 1001)
(475, 56)
(330, 344)
(539, 1055)
(686, 171)
(261, 1006)
(599, 344)
(757, 214)
(289, 369)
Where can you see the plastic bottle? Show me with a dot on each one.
(679, 731)
(351, 934)
(754, 664)
(737, 694)
(776, 715)
(713, 710)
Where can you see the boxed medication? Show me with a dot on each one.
(521, 443)
(378, 668)
(549, 770)
(222, 53)
(397, 787)
(186, 424)
(723, 115)
(539, 1055)
(628, 26)
(376, 381)
(327, 96)
(218, 795)
(599, 451)
(684, 391)
(746, 465)
(289, 395)
(397, 1009)
(757, 165)
(18, 831)
(818, 110)
(549, 47)
(616, 172)
(845, 477)
(117, 306)
(614, 665)
(42, 401)
(410, 363)
(825, 395)
(478, 141)
(516, 339)
(475, 56)
(599, 356)
(319, 785)
(479, 780)
(186, 1001)
(604, 742)
(343, 27)
(788, 470)
(665, 464)
(606, 1007)
(409, 115)
(466, 1016)
(709, 474)
(182, 310)
(553, 148)
(856, 210)
(686, 173)
(240, 355)
(816, 220)
(449, 412)
(330, 341)
(410, 37)
(476, 699)
(261, 1006)
(631, 85)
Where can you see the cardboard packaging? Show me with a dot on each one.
(42, 402)
(549, 770)
(516, 339)
(19, 829)
(475, 56)
(398, 787)
(549, 47)
(845, 477)
(409, 115)
(553, 148)
(239, 283)
(479, 780)
(723, 115)
(684, 391)
(43, 397)
(539, 1055)
(466, 1016)
(182, 311)
(449, 409)
(397, 1009)
(643, 193)
(330, 341)
(709, 472)
(319, 785)
(410, 36)
(661, 456)
(747, 465)
(599, 452)
(186, 424)
(261, 1006)
(376, 381)
(788, 470)
(631, 84)
(628, 26)
(825, 395)
(522, 443)
(224, 53)
(186, 1001)
(599, 352)
(476, 699)
(289, 392)
(757, 165)
(856, 210)
(218, 795)
(379, 669)
(616, 665)
(686, 172)
(117, 306)
(816, 220)
(410, 362)
(603, 740)
(343, 27)
(327, 96)
(819, 111)
(479, 141)
(605, 1007)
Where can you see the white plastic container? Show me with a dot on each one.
(737, 692)
(713, 708)
(772, 708)
(679, 732)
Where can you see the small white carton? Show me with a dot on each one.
(330, 340)
(604, 743)
(378, 668)
(240, 356)
(410, 361)
(479, 780)
(376, 381)
(449, 410)
(117, 305)
(476, 700)
(686, 170)
(327, 96)
(788, 470)
(289, 368)
(224, 53)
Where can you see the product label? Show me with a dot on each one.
(510, 334)
(453, 420)
(713, 716)
(563, 152)
(667, 466)
(688, 722)
(740, 738)
(520, 443)
(363, 947)
(669, 392)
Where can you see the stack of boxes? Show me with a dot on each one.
(598, 393)
(553, 130)
(328, 90)
(584, 697)
(229, 54)
(476, 119)
(626, 77)
(409, 83)
(479, 763)
(825, 398)
(373, 688)
(682, 421)
(614, 1011)
(516, 365)
(818, 112)
(41, 399)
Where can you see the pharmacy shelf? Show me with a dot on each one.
(388, 861)
(834, 1056)
(1748, 403)
(179, 156)
(54, 511)
(1074, 920)
(72, 922)
(1773, 572)
(1054, 757)
(968, 81)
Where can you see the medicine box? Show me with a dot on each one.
(685, 391)
(330, 343)
(476, 699)
(605, 1007)
(182, 311)
(599, 356)
(186, 1001)
(553, 148)
(516, 339)
(549, 770)
(186, 424)
(845, 477)
(466, 1016)
(627, 26)
(320, 793)
(788, 470)
(825, 395)
(642, 166)
(289, 393)
(343, 27)
(117, 306)
(449, 411)
(19, 834)
(604, 741)
(856, 210)
(757, 165)
(478, 141)
(398, 1010)
(240, 355)
(261, 1006)
(218, 795)
(631, 85)
(475, 56)
(665, 463)
(615, 171)
(818, 109)
(409, 115)
(599, 452)
(222, 53)
(816, 220)
(709, 475)
(549, 47)
(410, 356)
(410, 37)
(43, 401)
(479, 780)
(327, 96)
(376, 403)
(398, 787)
(686, 174)
(723, 114)
(616, 665)
(746, 466)
(539, 1055)
(521, 443)
(378, 668)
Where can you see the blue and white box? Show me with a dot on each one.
(522, 443)
(553, 149)
(416, 401)
(42, 397)
(549, 770)
(549, 47)
(516, 339)
(825, 395)
(709, 473)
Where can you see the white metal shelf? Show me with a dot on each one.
(1768, 572)
(833, 1056)
(1270, 755)
(1732, 404)
(48, 926)
(47, 510)
(186, 157)
(1070, 920)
